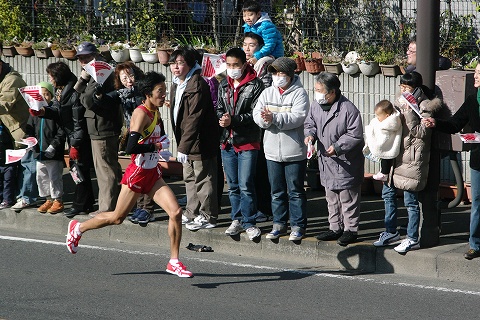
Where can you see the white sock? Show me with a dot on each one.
(77, 230)
(173, 261)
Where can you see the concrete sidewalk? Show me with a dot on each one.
(444, 261)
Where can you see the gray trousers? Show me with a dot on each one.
(108, 172)
(343, 208)
(201, 187)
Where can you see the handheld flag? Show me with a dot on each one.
(33, 97)
(99, 70)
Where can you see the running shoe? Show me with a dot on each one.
(234, 229)
(199, 223)
(73, 237)
(406, 245)
(253, 232)
(179, 269)
(386, 239)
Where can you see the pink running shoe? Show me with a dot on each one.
(179, 269)
(72, 237)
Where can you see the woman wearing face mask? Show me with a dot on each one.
(240, 140)
(335, 124)
(281, 110)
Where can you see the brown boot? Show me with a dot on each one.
(44, 207)
(56, 207)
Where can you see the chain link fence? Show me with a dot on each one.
(306, 25)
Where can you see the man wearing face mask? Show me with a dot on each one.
(281, 110)
(335, 124)
(240, 140)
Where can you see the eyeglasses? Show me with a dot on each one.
(405, 87)
(127, 77)
(177, 63)
(411, 51)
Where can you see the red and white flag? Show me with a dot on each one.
(99, 70)
(33, 97)
(213, 64)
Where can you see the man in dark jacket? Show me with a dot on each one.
(240, 140)
(196, 132)
(104, 123)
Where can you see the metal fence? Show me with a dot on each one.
(305, 24)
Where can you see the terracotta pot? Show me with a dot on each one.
(164, 55)
(135, 55)
(57, 53)
(9, 51)
(335, 68)
(369, 68)
(390, 70)
(25, 51)
(300, 64)
(43, 53)
(69, 54)
(314, 65)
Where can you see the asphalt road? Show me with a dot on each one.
(39, 279)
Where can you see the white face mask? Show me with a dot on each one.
(235, 73)
(320, 98)
(279, 82)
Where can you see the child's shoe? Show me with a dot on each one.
(380, 176)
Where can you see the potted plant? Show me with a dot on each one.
(55, 47)
(349, 63)
(332, 61)
(313, 63)
(471, 64)
(42, 49)
(367, 64)
(150, 55)
(387, 59)
(300, 61)
(164, 49)
(119, 52)
(9, 47)
(25, 48)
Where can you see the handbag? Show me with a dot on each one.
(75, 172)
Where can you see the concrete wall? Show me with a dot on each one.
(363, 91)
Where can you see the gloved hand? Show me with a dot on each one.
(50, 152)
(165, 142)
(181, 157)
(98, 91)
(36, 113)
(85, 76)
(73, 154)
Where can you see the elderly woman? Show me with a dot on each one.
(335, 124)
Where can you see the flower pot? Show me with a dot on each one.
(335, 68)
(351, 68)
(25, 51)
(135, 54)
(120, 55)
(300, 61)
(369, 68)
(57, 53)
(9, 51)
(70, 54)
(43, 53)
(164, 55)
(149, 57)
(314, 65)
(390, 70)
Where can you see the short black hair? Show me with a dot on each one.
(384, 105)
(60, 72)
(237, 53)
(149, 81)
(188, 53)
(412, 79)
(251, 6)
(254, 36)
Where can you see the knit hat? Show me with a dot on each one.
(85, 48)
(283, 64)
(48, 86)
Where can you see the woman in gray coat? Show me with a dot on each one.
(335, 124)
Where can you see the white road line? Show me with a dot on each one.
(246, 265)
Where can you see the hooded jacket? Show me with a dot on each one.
(384, 137)
(239, 103)
(410, 170)
(13, 108)
(283, 140)
(272, 38)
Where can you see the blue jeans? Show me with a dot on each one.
(288, 193)
(410, 199)
(240, 171)
(27, 179)
(474, 240)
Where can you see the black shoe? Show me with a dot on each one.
(329, 235)
(471, 254)
(347, 238)
(72, 212)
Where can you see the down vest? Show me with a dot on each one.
(411, 166)
(384, 137)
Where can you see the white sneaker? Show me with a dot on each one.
(386, 239)
(380, 177)
(407, 245)
(21, 204)
(185, 219)
(199, 223)
(234, 229)
(253, 232)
